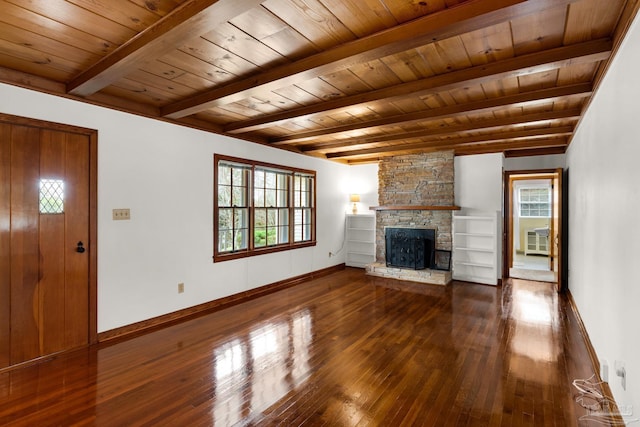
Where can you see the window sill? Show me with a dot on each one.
(262, 251)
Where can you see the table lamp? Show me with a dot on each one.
(354, 198)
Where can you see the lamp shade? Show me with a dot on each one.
(354, 198)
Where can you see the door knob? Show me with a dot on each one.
(80, 248)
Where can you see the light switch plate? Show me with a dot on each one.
(604, 370)
(121, 214)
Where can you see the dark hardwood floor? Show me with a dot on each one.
(343, 350)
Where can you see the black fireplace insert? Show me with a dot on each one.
(410, 247)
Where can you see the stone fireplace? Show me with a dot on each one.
(423, 181)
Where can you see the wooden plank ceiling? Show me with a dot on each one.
(350, 80)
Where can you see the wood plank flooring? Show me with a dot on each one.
(342, 350)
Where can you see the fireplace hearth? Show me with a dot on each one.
(412, 248)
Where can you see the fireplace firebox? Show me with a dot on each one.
(410, 247)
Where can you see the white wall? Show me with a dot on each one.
(478, 189)
(164, 174)
(604, 202)
(363, 180)
(478, 182)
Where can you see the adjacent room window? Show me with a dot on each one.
(261, 207)
(535, 202)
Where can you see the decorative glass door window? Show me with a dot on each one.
(51, 196)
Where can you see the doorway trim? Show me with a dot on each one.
(508, 231)
(92, 135)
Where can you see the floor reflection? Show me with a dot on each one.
(534, 349)
(534, 307)
(534, 313)
(344, 350)
(229, 376)
(266, 364)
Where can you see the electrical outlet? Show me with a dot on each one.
(180, 288)
(121, 214)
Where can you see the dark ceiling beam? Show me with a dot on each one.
(189, 20)
(525, 98)
(31, 81)
(460, 142)
(463, 18)
(525, 152)
(538, 62)
(449, 130)
(540, 144)
(362, 161)
(45, 85)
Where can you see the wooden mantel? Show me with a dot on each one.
(414, 208)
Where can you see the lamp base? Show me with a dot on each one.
(355, 209)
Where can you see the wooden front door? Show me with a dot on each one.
(45, 241)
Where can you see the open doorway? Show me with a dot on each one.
(533, 222)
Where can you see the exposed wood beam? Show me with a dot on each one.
(500, 146)
(536, 151)
(460, 141)
(460, 19)
(51, 87)
(542, 95)
(587, 52)
(30, 81)
(497, 147)
(361, 161)
(189, 20)
(448, 130)
(42, 84)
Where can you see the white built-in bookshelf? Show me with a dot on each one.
(360, 240)
(475, 248)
